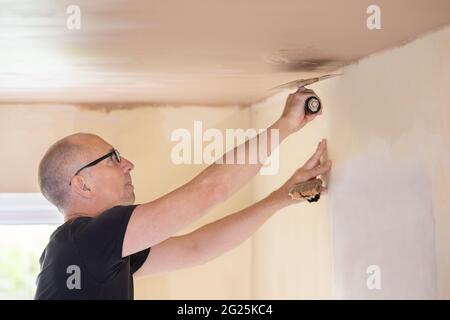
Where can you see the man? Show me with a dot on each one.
(106, 239)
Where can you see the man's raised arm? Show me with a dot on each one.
(156, 221)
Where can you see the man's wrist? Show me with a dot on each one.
(278, 199)
(285, 125)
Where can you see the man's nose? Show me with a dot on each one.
(126, 164)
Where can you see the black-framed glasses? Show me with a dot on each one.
(114, 153)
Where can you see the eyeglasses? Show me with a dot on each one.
(114, 153)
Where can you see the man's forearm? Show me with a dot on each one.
(231, 177)
(223, 235)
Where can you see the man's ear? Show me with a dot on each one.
(80, 186)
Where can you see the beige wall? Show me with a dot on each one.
(393, 111)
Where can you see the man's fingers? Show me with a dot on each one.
(301, 89)
(310, 117)
(303, 93)
(305, 90)
(315, 158)
(317, 171)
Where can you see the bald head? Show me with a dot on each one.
(58, 166)
(104, 185)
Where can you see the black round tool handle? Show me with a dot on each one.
(312, 105)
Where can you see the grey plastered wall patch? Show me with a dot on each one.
(383, 229)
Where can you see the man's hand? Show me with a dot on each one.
(294, 110)
(310, 170)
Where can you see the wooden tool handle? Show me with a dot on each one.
(306, 190)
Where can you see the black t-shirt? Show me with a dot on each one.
(83, 259)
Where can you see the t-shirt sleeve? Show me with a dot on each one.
(138, 259)
(99, 241)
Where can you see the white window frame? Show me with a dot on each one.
(27, 208)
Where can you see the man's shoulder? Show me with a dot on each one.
(117, 213)
(83, 220)
(117, 209)
(113, 216)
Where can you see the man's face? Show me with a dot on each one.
(109, 180)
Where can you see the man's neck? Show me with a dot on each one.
(73, 215)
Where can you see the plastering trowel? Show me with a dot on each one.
(309, 190)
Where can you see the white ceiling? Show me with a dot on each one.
(215, 52)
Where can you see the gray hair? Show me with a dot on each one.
(55, 171)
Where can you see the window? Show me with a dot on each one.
(26, 222)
